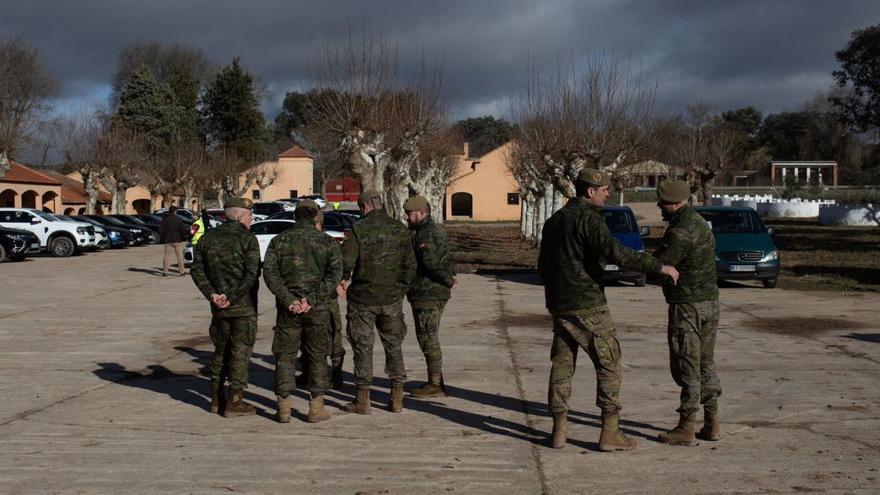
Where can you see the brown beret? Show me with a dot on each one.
(239, 203)
(594, 177)
(307, 203)
(673, 191)
(415, 203)
(368, 195)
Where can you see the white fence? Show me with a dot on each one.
(768, 206)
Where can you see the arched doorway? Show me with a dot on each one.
(7, 198)
(82, 211)
(141, 206)
(50, 202)
(462, 205)
(29, 199)
(69, 211)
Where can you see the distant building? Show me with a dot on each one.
(803, 172)
(483, 189)
(342, 189)
(24, 187)
(292, 174)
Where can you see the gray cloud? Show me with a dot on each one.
(770, 54)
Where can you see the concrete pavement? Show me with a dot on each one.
(103, 392)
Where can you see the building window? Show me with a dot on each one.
(293, 194)
(255, 194)
(462, 205)
(513, 198)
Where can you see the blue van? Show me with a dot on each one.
(623, 226)
(744, 249)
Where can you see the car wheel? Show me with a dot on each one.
(640, 282)
(770, 284)
(2, 253)
(63, 247)
(153, 238)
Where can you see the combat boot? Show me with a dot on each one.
(237, 406)
(396, 403)
(433, 388)
(317, 413)
(336, 381)
(611, 438)
(711, 430)
(683, 434)
(361, 404)
(560, 430)
(218, 397)
(285, 406)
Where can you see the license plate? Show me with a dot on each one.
(611, 268)
(742, 268)
(35, 246)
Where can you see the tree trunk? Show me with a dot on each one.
(4, 164)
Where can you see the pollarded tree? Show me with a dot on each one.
(26, 90)
(78, 139)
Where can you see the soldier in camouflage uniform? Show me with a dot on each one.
(379, 260)
(575, 240)
(226, 270)
(693, 313)
(303, 267)
(430, 290)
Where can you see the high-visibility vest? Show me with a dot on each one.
(197, 230)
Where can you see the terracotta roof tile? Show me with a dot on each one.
(19, 173)
(294, 152)
(73, 192)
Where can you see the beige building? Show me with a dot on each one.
(23, 187)
(483, 189)
(289, 176)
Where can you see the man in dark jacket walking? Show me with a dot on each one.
(174, 233)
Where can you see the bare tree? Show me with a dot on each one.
(78, 135)
(265, 174)
(598, 115)
(121, 152)
(26, 90)
(373, 120)
(432, 169)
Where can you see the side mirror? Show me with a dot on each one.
(644, 231)
(35, 220)
(770, 231)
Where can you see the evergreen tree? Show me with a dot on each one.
(230, 113)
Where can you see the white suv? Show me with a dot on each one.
(58, 237)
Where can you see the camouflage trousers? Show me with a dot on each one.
(335, 349)
(312, 331)
(691, 337)
(233, 340)
(426, 315)
(593, 331)
(388, 321)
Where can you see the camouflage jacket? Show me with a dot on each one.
(227, 261)
(689, 246)
(574, 242)
(379, 260)
(303, 262)
(434, 273)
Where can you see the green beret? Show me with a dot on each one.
(307, 203)
(594, 177)
(673, 191)
(240, 203)
(415, 203)
(368, 195)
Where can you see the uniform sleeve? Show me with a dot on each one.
(408, 272)
(199, 271)
(350, 249)
(251, 273)
(273, 278)
(432, 253)
(601, 240)
(673, 248)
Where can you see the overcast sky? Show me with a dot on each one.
(770, 54)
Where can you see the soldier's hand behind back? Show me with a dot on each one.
(670, 272)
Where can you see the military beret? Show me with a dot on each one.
(307, 203)
(368, 195)
(240, 203)
(594, 177)
(673, 191)
(415, 203)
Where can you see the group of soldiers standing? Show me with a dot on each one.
(382, 262)
(379, 264)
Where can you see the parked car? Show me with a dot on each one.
(58, 237)
(316, 198)
(141, 233)
(744, 248)
(266, 230)
(623, 226)
(135, 220)
(336, 225)
(263, 210)
(102, 232)
(187, 215)
(119, 237)
(218, 214)
(16, 244)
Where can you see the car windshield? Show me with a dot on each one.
(267, 208)
(270, 228)
(733, 222)
(45, 216)
(619, 221)
(132, 219)
(152, 218)
(88, 220)
(114, 221)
